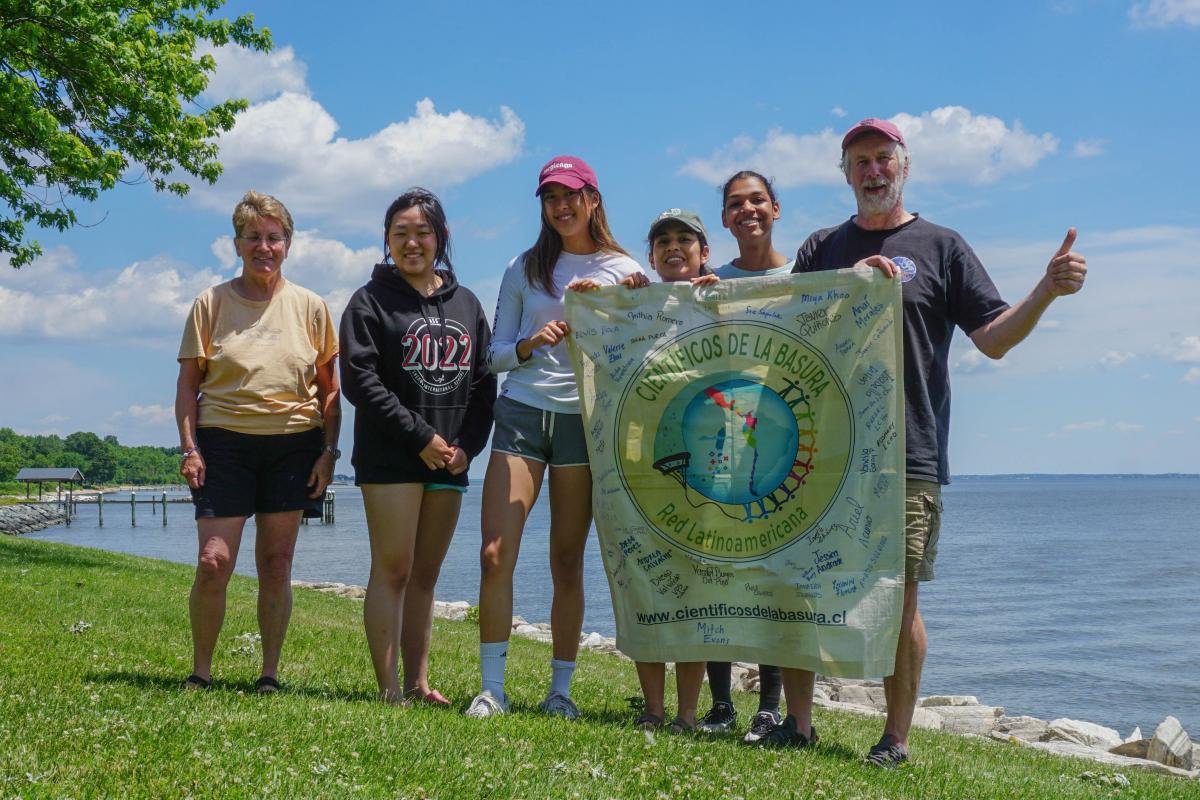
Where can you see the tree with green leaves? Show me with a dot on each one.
(93, 92)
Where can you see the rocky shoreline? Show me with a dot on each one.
(30, 517)
(1169, 751)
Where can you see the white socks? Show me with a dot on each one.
(560, 680)
(493, 656)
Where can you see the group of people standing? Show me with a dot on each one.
(257, 405)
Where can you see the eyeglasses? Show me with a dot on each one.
(273, 240)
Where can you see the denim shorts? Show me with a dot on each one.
(247, 473)
(546, 436)
(922, 525)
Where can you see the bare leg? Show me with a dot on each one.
(798, 688)
(570, 519)
(510, 489)
(652, 675)
(220, 538)
(902, 687)
(274, 547)
(689, 676)
(439, 516)
(393, 510)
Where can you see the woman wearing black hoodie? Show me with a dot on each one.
(413, 365)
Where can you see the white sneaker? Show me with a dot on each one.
(486, 705)
(559, 705)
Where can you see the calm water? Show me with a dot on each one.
(1054, 597)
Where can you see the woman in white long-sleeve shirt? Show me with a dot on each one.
(538, 424)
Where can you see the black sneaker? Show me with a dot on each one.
(720, 718)
(888, 754)
(786, 735)
(763, 723)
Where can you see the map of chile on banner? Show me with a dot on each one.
(747, 451)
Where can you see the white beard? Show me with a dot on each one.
(870, 205)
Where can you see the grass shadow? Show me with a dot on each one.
(141, 680)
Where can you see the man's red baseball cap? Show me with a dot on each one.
(873, 124)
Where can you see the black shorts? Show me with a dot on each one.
(248, 473)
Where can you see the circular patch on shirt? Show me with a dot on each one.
(437, 354)
(908, 268)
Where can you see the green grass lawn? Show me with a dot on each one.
(93, 647)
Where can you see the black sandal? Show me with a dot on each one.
(266, 685)
(194, 682)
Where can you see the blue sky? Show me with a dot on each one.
(1023, 119)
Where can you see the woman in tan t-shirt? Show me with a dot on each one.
(257, 408)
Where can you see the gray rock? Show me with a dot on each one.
(743, 677)
(1028, 729)
(1088, 734)
(1136, 749)
(862, 695)
(1077, 750)
(30, 517)
(924, 718)
(849, 708)
(1171, 745)
(1135, 736)
(949, 700)
(977, 720)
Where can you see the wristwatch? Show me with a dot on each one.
(333, 451)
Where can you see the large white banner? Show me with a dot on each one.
(747, 451)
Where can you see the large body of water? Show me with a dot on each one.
(1055, 596)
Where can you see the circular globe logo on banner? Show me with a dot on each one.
(733, 440)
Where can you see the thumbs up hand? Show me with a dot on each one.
(1066, 270)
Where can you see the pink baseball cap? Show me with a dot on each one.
(873, 124)
(571, 171)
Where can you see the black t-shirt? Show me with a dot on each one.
(945, 286)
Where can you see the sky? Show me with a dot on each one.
(1022, 118)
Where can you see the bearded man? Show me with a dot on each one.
(944, 286)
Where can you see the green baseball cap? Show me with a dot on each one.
(689, 219)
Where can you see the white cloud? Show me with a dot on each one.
(289, 147)
(1049, 324)
(1128, 427)
(1163, 13)
(1089, 148)
(948, 144)
(152, 414)
(1114, 358)
(1139, 296)
(1189, 350)
(972, 360)
(287, 144)
(146, 296)
(252, 75)
(147, 301)
(1192, 375)
(791, 159)
(838, 111)
(1092, 425)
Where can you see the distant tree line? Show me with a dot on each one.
(102, 461)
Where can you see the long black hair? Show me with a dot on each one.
(540, 259)
(741, 176)
(435, 215)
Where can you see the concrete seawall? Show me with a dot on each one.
(30, 517)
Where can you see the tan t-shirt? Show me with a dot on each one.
(259, 358)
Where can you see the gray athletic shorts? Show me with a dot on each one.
(546, 436)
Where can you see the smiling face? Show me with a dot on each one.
(876, 171)
(676, 253)
(262, 245)
(749, 212)
(412, 243)
(568, 211)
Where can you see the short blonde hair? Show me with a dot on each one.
(256, 204)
